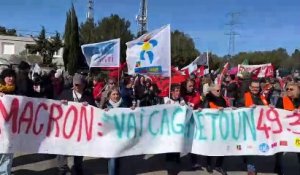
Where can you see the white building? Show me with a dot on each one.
(14, 45)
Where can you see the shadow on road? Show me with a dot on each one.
(138, 164)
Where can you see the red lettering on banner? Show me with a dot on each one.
(88, 127)
(35, 131)
(26, 116)
(13, 113)
(273, 117)
(75, 114)
(54, 119)
(295, 124)
(283, 143)
(274, 145)
(261, 125)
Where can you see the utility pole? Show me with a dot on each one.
(142, 17)
(90, 12)
(232, 31)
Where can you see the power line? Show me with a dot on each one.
(232, 31)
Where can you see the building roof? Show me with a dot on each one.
(17, 38)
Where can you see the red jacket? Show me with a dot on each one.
(193, 98)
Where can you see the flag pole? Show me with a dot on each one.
(207, 58)
(119, 76)
(170, 82)
(170, 72)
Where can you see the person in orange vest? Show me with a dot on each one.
(215, 100)
(252, 98)
(291, 102)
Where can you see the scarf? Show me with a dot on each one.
(76, 96)
(7, 88)
(115, 105)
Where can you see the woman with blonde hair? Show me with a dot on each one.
(207, 81)
(290, 101)
(114, 101)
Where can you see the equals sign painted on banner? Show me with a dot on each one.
(100, 133)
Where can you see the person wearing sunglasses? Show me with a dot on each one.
(215, 100)
(291, 102)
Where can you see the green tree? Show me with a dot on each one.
(45, 47)
(215, 62)
(295, 59)
(183, 49)
(66, 37)
(55, 44)
(114, 27)
(87, 32)
(278, 57)
(8, 32)
(74, 48)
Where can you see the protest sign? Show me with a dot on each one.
(46, 126)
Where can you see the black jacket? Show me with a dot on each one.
(46, 91)
(86, 97)
(296, 103)
(256, 100)
(219, 101)
(150, 99)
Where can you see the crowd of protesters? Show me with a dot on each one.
(140, 91)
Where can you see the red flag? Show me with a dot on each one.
(200, 71)
(224, 72)
(255, 73)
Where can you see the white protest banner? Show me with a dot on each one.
(104, 54)
(261, 70)
(150, 53)
(46, 126)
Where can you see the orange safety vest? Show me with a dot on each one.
(212, 105)
(249, 100)
(288, 104)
